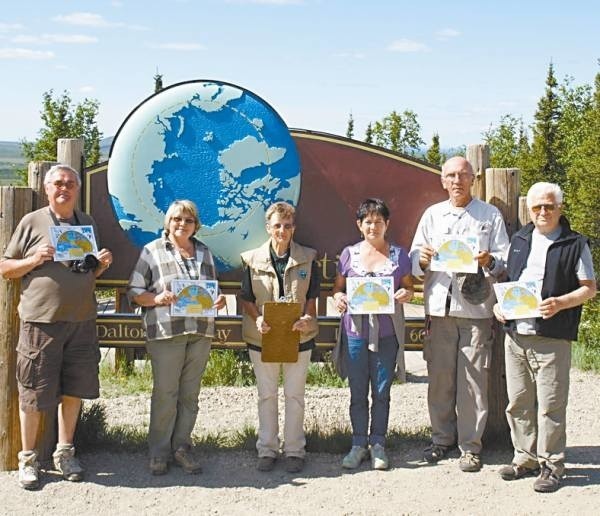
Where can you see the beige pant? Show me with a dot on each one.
(458, 355)
(537, 381)
(177, 367)
(294, 381)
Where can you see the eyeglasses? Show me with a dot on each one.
(179, 220)
(538, 207)
(69, 185)
(463, 176)
(278, 225)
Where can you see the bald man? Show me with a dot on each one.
(458, 310)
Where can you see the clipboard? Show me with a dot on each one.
(281, 343)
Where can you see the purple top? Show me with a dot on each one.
(397, 265)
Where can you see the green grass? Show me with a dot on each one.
(586, 352)
(124, 381)
(93, 433)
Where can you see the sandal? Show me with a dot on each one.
(514, 472)
(436, 452)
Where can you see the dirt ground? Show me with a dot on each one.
(119, 483)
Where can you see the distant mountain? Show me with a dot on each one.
(105, 145)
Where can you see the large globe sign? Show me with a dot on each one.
(214, 143)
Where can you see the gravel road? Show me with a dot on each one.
(119, 483)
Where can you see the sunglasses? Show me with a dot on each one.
(538, 207)
(179, 220)
(69, 185)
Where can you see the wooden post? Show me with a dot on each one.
(478, 155)
(69, 151)
(14, 203)
(502, 190)
(524, 217)
(35, 179)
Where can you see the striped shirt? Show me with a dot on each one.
(159, 263)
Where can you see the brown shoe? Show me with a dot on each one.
(470, 462)
(547, 482)
(158, 466)
(265, 463)
(294, 464)
(188, 460)
(514, 472)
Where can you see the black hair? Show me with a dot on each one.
(372, 206)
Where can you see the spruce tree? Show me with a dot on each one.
(433, 154)
(543, 163)
(369, 134)
(350, 127)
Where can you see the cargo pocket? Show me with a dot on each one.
(27, 367)
(480, 354)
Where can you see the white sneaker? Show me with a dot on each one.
(356, 455)
(379, 459)
(29, 470)
(66, 463)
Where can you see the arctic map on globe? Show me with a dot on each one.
(214, 143)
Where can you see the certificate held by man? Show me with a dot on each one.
(281, 343)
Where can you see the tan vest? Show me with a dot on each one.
(296, 280)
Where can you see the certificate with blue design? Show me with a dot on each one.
(455, 253)
(370, 294)
(195, 298)
(519, 299)
(72, 242)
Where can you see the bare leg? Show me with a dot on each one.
(30, 422)
(68, 413)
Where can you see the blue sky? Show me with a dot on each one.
(459, 65)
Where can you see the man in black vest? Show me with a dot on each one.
(538, 351)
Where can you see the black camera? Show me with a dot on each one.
(89, 263)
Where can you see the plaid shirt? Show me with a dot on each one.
(155, 269)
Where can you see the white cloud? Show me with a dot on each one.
(86, 89)
(56, 38)
(83, 19)
(7, 27)
(185, 47)
(447, 33)
(407, 45)
(25, 53)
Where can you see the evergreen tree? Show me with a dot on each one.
(433, 154)
(399, 132)
(62, 119)
(544, 163)
(508, 143)
(158, 82)
(369, 134)
(350, 127)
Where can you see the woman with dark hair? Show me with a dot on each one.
(178, 346)
(371, 346)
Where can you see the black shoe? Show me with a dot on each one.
(294, 464)
(547, 482)
(265, 463)
(436, 452)
(514, 472)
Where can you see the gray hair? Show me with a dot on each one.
(542, 188)
(56, 168)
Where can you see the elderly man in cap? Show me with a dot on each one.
(57, 360)
(458, 309)
(538, 351)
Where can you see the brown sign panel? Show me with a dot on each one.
(125, 330)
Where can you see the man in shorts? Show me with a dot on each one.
(57, 352)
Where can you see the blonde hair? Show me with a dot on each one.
(181, 207)
(283, 209)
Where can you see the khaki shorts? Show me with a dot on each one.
(56, 359)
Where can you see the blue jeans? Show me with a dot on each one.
(377, 369)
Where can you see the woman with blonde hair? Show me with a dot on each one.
(178, 346)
